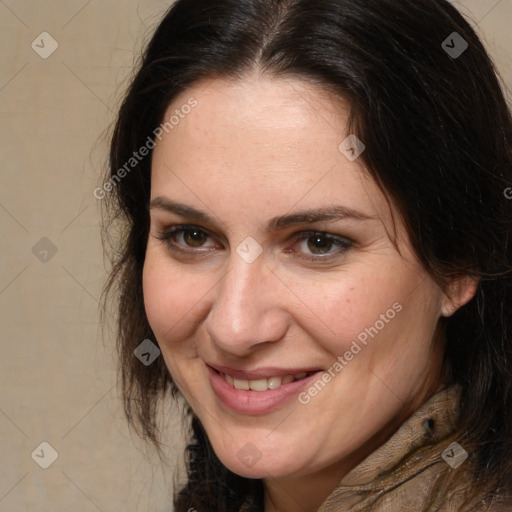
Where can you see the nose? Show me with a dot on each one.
(247, 309)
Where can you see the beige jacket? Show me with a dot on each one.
(427, 436)
(409, 488)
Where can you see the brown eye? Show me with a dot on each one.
(320, 247)
(194, 237)
(187, 238)
(319, 244)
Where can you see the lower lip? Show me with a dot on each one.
(256, 402)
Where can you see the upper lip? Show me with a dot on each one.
(260, 373)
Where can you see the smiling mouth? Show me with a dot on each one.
(263, 384)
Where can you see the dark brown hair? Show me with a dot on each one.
(438, 136)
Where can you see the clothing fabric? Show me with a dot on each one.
(409, 487)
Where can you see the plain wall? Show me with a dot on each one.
(57, 377)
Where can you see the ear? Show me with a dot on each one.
(460, 291)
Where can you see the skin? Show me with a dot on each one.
(250, 151)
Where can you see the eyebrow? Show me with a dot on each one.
(183, 210)
(330, 213)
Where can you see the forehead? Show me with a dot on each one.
(260, 147)
(269, 114)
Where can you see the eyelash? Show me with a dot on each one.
(168, 237)
(342, 244)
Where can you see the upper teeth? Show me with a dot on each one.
(262, 384)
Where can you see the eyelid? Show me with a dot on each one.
(327, 234)
(302, 235)
(165, 235)
(343, 245)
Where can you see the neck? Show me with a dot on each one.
(302, 493)
(308, 492)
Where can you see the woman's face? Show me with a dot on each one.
(270, 256)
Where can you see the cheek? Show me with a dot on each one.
(175, 301)
(381, 311)
(347, 304)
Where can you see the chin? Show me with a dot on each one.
(250, 462)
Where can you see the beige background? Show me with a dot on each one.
(57, 378)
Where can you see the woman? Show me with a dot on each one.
(316, 236)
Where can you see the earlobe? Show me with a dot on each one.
(459, 293)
